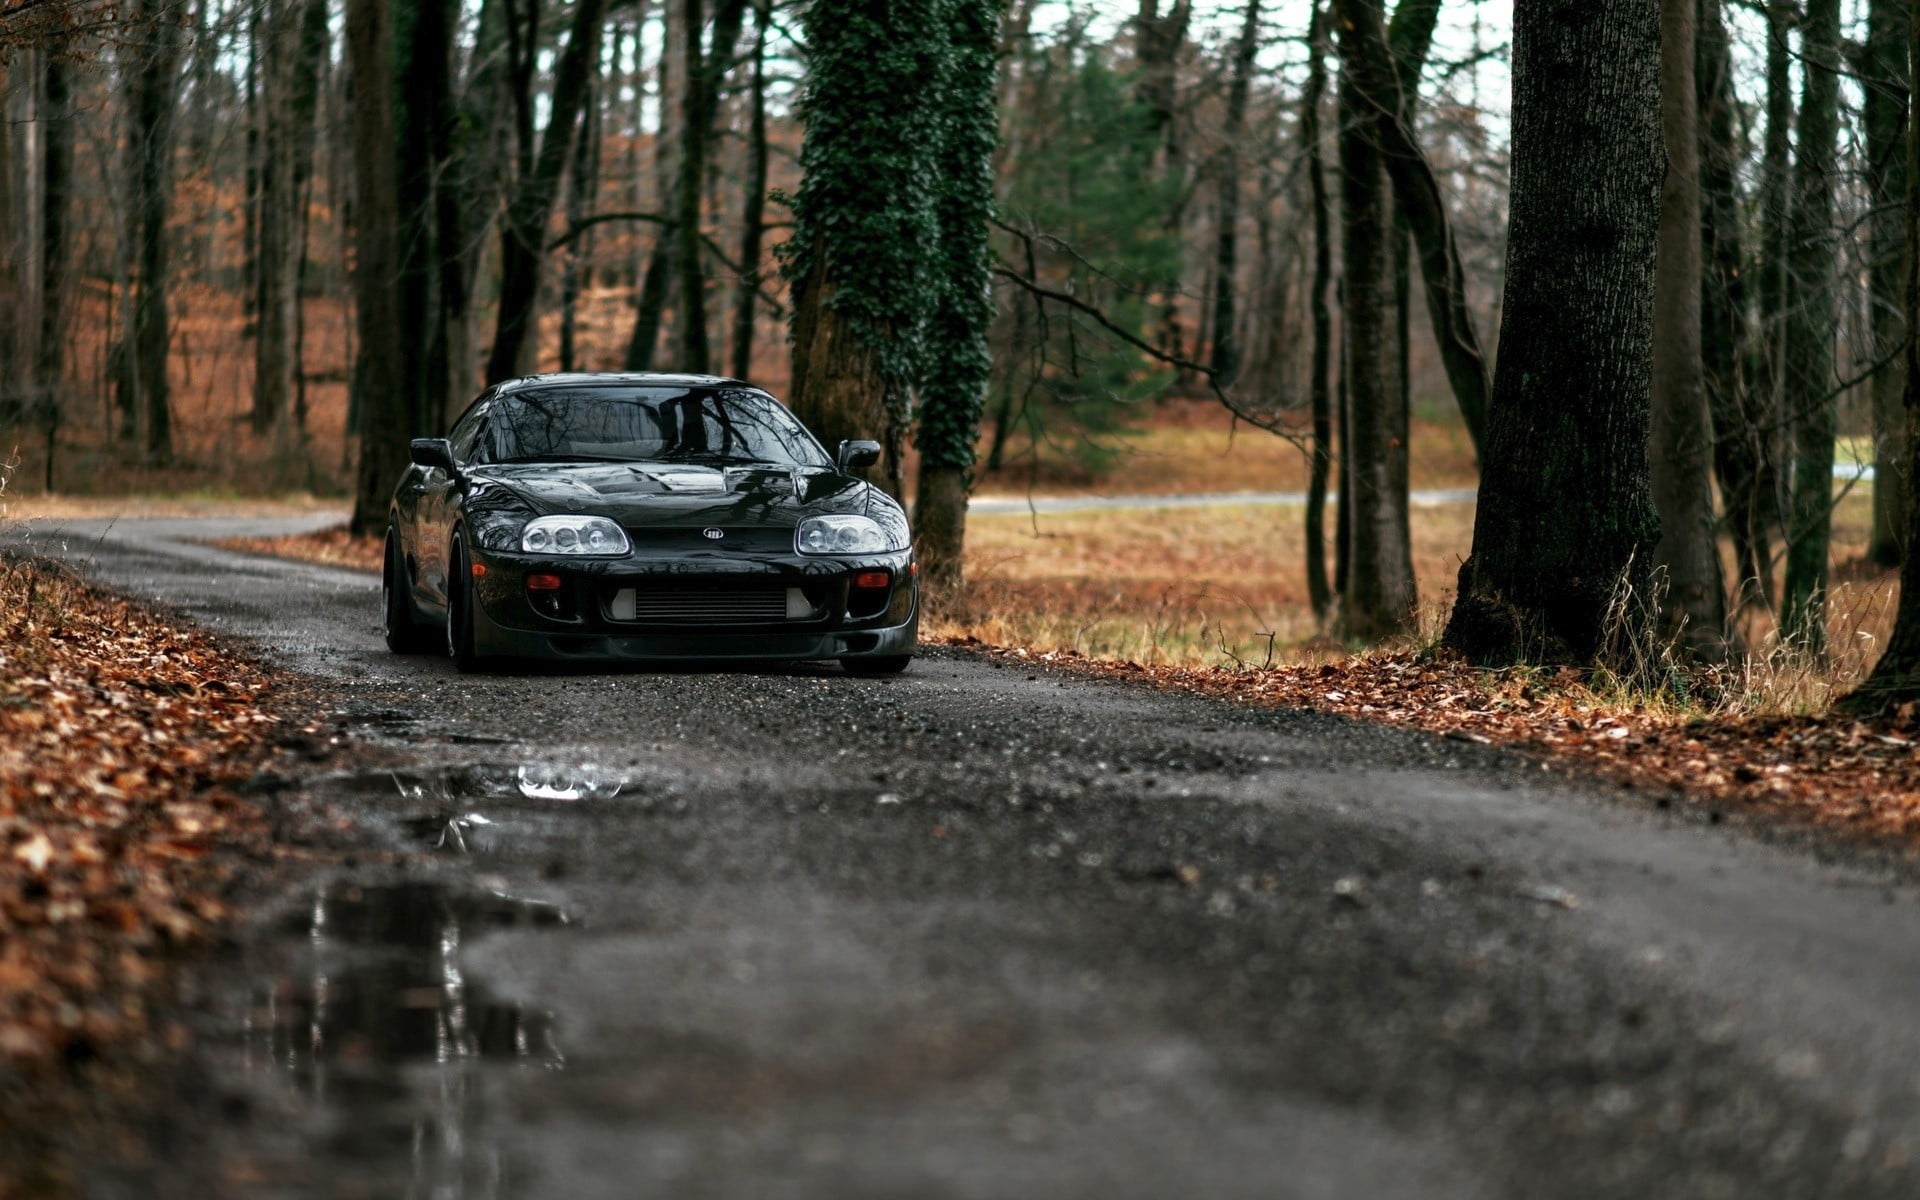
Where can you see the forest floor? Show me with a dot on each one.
(123, 845)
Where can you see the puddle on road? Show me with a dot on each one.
(369, 1025)
(447, 806)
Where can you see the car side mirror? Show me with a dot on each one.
(432, 452)
(858, 455)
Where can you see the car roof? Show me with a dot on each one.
(633, 378)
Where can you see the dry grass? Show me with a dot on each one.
(1197, 587)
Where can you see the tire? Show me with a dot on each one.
(460, 609)
(886, 664)
(398, 620)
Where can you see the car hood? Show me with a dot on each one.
(642, 494)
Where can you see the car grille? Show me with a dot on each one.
(750, 605)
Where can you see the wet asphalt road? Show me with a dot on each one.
(988, 930)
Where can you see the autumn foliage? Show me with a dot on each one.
(119, 736)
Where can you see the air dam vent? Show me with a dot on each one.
(762, 605)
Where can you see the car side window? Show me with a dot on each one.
(466, 435)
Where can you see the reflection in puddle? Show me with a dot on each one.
(448, 824)
(376, 1021)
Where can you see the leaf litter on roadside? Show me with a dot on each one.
(119, 737)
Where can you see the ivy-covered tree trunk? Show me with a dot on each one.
(1565, 526)
(1680, 454)
(863, 218)
(1886, 82)
(1811, 403)
(1896, 677)
(1379, 598)
(953, 385)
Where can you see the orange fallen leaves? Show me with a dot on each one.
(118, 732)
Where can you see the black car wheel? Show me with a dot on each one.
(405, 634)
(886, 664)
(460, 608)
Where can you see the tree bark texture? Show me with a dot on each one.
(385, 426)
(1680, 454)
(1886, 82)
(1565, 525)
(1896, 677)
(1379, 599)
(150, 151)
(523, 236)
(1320, 461)
(1809, 394)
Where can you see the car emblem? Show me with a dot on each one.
(713, 535)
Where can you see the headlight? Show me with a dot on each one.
(589, 536)
(845, 535)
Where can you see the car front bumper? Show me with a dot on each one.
(700, 607)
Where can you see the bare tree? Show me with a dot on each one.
(1886, 80)
(150, 174)
(1378, 600)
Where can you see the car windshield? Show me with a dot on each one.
(714, 425)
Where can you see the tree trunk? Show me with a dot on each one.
(1886, 81)
(583, 179)
(1409, 37)
(1811, 407)
(1417, 194)
(958, 363)
(1680, 454)
(150, 151)
(523, 236)
(1379, 598)
(860, 274)
(287, 98)
(1734, 399)
(15, 366)
(56, 181)
(688, 254)
(384, 423)
(753, 205)
(1565, 526)
(1226, 257)
(1765, 504)
(1320, 464)
(1896, 677)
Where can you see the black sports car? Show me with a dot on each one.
(645, 517)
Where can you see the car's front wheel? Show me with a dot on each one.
(460, 608)
(883, 664)
(405, 634)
